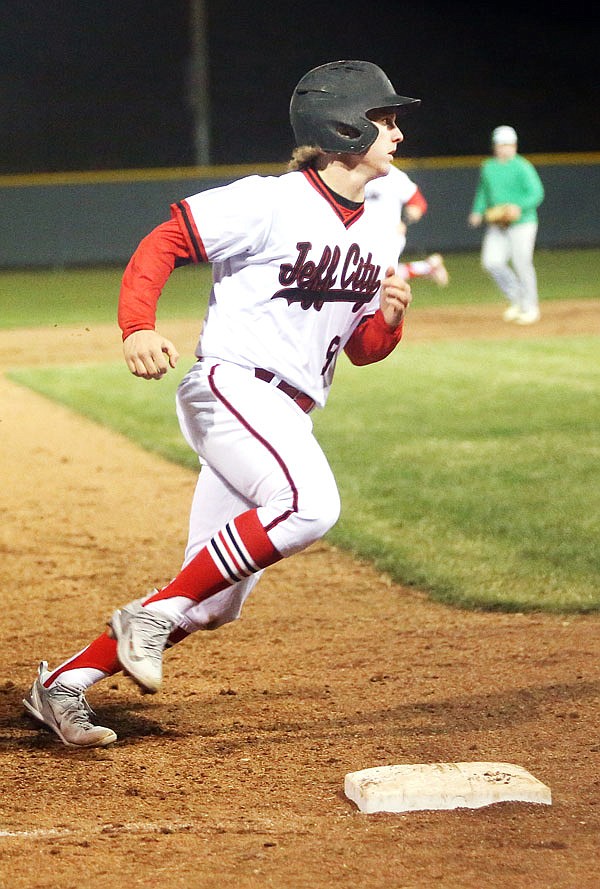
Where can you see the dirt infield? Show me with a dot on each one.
(233, 775)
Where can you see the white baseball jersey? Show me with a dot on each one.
(292, 278)
(393, 190)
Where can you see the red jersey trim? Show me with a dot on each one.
(347, 216)
(181, 211)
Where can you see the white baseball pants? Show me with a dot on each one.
(257, 449)
(507, 255)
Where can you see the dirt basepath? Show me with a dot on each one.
(233, 776)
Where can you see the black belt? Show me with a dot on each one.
(304, 401)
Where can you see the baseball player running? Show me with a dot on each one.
(304, 267)
(397, 188)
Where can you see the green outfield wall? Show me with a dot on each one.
(67, 219)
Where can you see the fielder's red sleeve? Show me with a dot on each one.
(373, 340)
(147, 272)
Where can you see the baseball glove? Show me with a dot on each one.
(502, 214)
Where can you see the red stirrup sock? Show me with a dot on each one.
(101, 654)
(238, 550)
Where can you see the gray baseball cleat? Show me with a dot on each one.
(141, 639)
(528, 317)
(66, 712)
(512, 312)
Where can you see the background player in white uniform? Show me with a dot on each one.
(304, 266)
(411, 206)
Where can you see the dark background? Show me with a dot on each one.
(106, 84)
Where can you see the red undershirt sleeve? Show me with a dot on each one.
(147, 272)
(373, 340)
(418, 200)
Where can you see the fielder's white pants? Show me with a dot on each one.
(507, 255)
(257, 449)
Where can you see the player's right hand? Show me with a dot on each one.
(146, 353)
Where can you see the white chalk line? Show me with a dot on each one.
(135, 827)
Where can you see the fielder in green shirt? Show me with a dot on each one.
(508, 193)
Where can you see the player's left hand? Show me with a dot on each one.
(395, 297)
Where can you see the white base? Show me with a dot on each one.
(442, 785)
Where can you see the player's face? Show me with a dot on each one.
(380, 155)
(505, 150)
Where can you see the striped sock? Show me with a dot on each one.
(238, 550)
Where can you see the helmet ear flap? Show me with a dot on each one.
(346, 130)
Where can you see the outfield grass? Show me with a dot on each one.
(470, 469)
(77, 296)
(41, 298)
(467, 469)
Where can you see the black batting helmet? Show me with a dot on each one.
(329, 106)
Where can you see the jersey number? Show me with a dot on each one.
(330, 357)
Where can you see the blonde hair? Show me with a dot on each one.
(304, 157)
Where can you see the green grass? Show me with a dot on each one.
(75, 296)
(470, 470)
(40, 298)
(467, 469)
